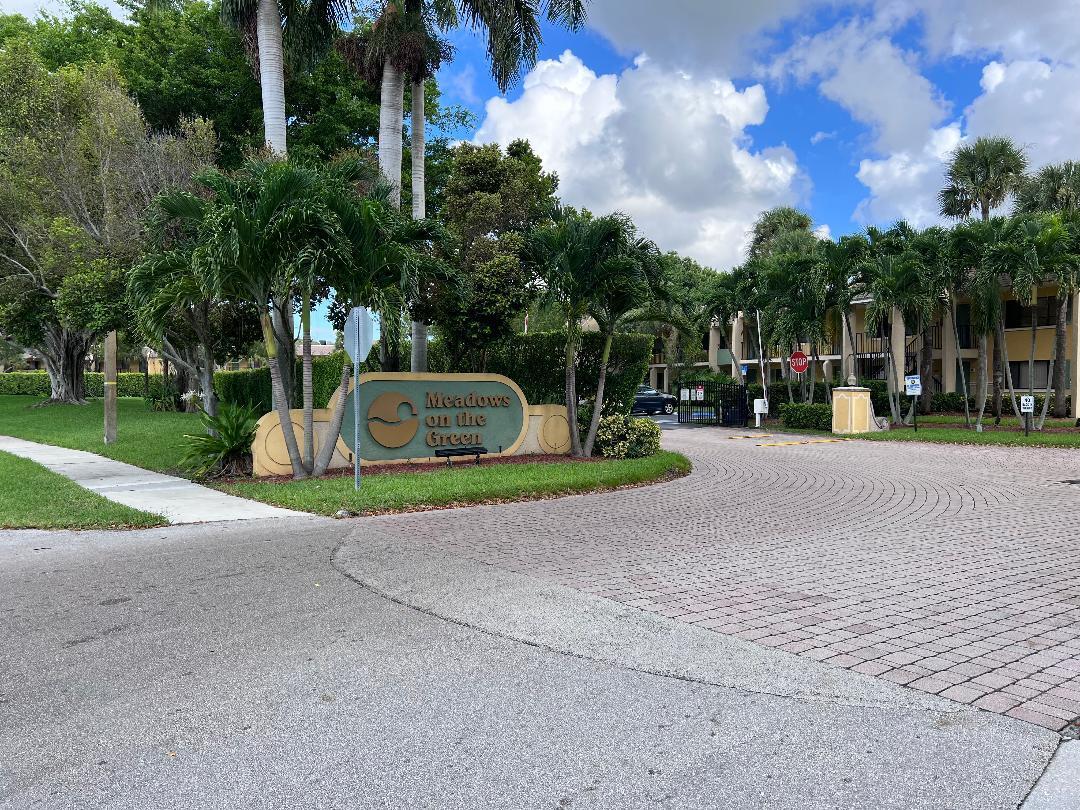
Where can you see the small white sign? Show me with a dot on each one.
(699, 393)
(684, 394)
(913, 385)
(761, 406)
(1027, 404)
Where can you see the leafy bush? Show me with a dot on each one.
(225, 448)
(817, 416)
(622, 436)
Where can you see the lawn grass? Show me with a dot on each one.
(32, 497)
(1008, 438)
(148, 439)
(461, 485)
(988, 418)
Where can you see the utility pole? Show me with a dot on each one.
(110, 387)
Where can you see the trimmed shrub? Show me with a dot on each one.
(36, 383)
(948, 402)
(806, 417)
(621, 436)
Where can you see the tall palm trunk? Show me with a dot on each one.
(1060, 328)
(894, 395)
(959, 360)
(571, 387)
(391, 113)
(1006, 368)
(598, 403)
(1050, 376)
(337, 416)
(309, 395)
(983, 372)
(284, 417)
(282, 323)
(926, 369)
(271, 74)
(419, 358)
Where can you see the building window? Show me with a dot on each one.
(1018, 316)
(1020, 378)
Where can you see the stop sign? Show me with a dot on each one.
(799, 362)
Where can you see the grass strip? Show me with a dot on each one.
(33, 497)
(461, 485)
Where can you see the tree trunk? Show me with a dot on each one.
(571, 388)
(1061, 326)
(271, 75)
(391, 113)
(64, 352)
(418, 359)
(894, 395)
(598, 403)
(999, 375)
(337, 415)
(282, 322)
(983, 372)
(284, 417)
(308, 394)
(959, 360)
(1007, 370)
(926, 370)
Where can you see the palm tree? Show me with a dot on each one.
(1029, 250)
(981, 177)
(773, 223)
(570, 256)
(625, 284)
(254, 229)
(1056, 189)
(897, 283)
(385, 258)
(404, 44)
(300, 27)
(969, 244)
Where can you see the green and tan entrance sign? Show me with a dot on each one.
(410, 416)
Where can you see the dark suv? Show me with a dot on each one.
(649, 400)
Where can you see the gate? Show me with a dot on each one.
(713, 403)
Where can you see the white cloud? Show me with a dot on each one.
(860, 68)
(721, 35)
(664, 146)
(1035, 103)
(820, 136)
(823, 232)
(905, 184)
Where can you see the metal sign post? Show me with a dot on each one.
(1027, 408)
(359, 337)
(913, 388)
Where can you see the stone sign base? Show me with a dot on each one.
(548, 434)
(852, 411)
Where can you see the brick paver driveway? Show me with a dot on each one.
(953, 570)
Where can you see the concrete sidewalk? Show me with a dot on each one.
(176, 499)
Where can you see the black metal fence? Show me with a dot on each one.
(713, 403)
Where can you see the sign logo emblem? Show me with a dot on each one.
(385, 423)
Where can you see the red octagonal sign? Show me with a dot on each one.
(799, 362)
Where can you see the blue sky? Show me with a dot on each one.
(693, 115)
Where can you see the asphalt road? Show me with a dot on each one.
(310, 663)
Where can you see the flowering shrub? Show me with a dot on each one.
(622, 436)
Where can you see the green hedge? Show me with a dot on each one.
(36, 383)
(536, 362)
(817, 416)
(251, 387)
